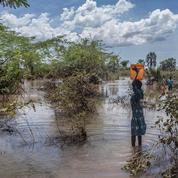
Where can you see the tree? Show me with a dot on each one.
(151, 59)
(113, 63)
(75, 98)
(81, 64)
(85, 56)
(124, 63)
(17, 54)
(168, 64)
(14, 3)
(141, 61)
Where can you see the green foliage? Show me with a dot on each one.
(155, 73)
(8, 106)
(85, 56)
(10, 61)
(141, 61)
(170, 125)
(18, 55)
(75, 97)
(24, 55)
(80, 66)
(138, 164)
(14, 3)
(76, 94)
(113, 63)
(168, 64)
(124, 63)
(169, 136)
(168, 139)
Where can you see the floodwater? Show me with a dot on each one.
(31, 152)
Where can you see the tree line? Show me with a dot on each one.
(150, 61)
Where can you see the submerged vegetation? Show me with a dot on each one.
(169, 136)
(139, 163)
(75, 70)
(75, 98)
(82, 66)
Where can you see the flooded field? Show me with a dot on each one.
(32, 151)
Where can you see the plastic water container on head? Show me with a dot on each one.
(137, 71)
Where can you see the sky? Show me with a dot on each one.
(128, 28)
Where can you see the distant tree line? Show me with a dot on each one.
(168, 64)
(151, 62)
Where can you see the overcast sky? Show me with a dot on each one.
(129, 28)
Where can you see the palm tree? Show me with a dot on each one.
(14, 3)
(151, 59)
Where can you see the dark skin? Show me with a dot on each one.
(136, 84)
(133, 140)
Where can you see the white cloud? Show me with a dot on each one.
(158, 26)
(89, 15)
(13, 21)
(29, 25)
(99, 23)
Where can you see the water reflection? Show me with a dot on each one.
(107, 149)
(116, 88)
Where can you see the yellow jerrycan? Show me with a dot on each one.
(137, 71)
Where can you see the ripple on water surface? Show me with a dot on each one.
(102, 156)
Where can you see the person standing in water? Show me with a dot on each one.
(138, 126)
(170, 84)
(163, 85)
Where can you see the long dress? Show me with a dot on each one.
(138, 126)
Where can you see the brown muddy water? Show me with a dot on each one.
(30, 153)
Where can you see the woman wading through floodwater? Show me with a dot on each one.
(138, 126)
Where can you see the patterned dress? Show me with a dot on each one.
(138, 126)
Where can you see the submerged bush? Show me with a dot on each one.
(76, 94)
(75, 97)
(138, 164)
(81, 67)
